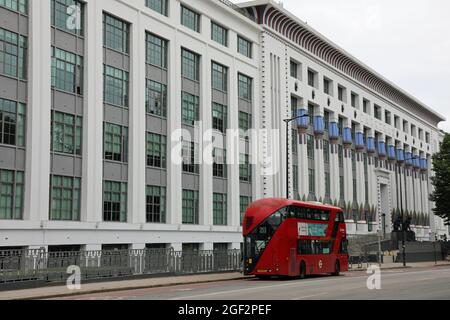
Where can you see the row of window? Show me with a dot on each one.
(313, 79)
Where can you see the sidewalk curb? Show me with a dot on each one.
(399, 268)
(105, 290)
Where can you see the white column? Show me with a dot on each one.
(206, 170)
(233, 154)
(36, 204)
(174, 171)
(137, 130)
(303, 167)
(92, 181)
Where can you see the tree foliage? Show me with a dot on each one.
(441, 181)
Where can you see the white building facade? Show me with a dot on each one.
(99, 96)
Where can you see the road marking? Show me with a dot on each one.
(311, 296)
(183, 290)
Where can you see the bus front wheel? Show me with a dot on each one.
(302, 270)
(337, 269)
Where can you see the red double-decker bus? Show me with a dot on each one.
(291, 238)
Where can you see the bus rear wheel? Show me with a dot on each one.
(337, 269)
(302, 270)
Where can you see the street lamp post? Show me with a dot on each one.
(287, 121)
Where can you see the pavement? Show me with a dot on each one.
(210, 286)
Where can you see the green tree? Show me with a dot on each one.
(441, 181)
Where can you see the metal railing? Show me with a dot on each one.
(39, 265)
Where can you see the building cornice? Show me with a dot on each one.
(274, 16)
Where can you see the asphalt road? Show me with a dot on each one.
(411, 284)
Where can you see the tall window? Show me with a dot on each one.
(294, 69)
(245, 124)
(156, 50)
(295, 177)
(245, 87)
(341, 156)
(156, 204)
(115, 144)
(156, 150)
(220, 116)
(377, 112)
(220, 209)
(219, 77)
(244, 47)
(67, 71)
(115, 201)
(190, 163)
(190, 109)
(190, 19)
(327, 185)
(66, 133)
(190, 207)
(115, 86)
(219, 163)
(159, 6)
(342, 94)
(65, 194)
(219, 34)
(156, 98)
(312, 181)
(294, 134)
(244, 204)
(15, 5)
(116, 34)
(310, 146)
(12, 123)
(327, 86)
(312, 75)
(326, 120)
(11, 194)
(366, 106)
(326, 151)
(245, 168)
(68, 16)
(13, 53)
(342, 187)
(190, 65)
(355, 100)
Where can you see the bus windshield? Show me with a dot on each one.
(257, 241)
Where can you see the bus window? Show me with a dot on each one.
(322, 247)
(304, 247)
(325, 216)
(317, 214)
(340, 217)
(344, 246)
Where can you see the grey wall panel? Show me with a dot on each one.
(219, 97)
(67, 103)
(191, 181)
(8, 88)
(220, 185)
(64, 40)
(190, 86)
(115, 171)
(22, 91)
(66, 165)
(116, 59)
(9, 20)
(156, 125)
(246, 189)
(12, 158)
(156, 74)
(156, 177)
(245, 106)
(23, 25)
(116, 115)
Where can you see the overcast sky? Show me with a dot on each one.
(407, 41)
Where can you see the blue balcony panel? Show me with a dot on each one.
(334, 131)
(391, 152)
(409, 159)
(347, 137)
(303, 120)
(319, 125)
(400, 155)
(359, 140)
(371, 145)
(381, 148)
